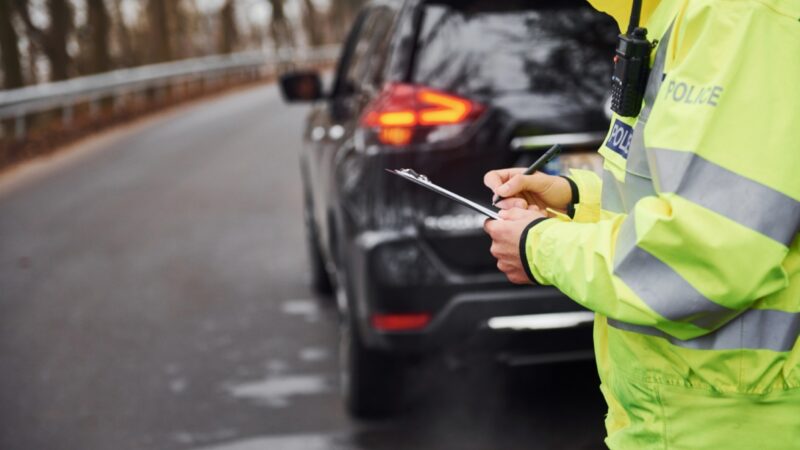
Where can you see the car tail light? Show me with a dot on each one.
(402, 110)
(400, 322)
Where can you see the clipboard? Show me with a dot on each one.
(422, 180)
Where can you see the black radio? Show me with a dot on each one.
(631, 67)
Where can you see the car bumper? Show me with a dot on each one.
(394, 272)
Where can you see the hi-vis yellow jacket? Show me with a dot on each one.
(688, 249)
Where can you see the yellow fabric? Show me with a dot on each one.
(589, 188)
(621, 10)
(741, 61)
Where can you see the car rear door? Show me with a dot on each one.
(358, 79)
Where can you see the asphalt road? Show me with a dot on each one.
(153, 295)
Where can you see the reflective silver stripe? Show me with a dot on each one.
(611, 198)
(727, 193)
(755, 329)
(635, 188)
(666, 292)
(626, 240)
(637, 157)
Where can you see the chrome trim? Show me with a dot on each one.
(551, 321)
(548, 140)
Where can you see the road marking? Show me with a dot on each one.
(312, 354)
(288, 442)
(276, 391)
(300, 307)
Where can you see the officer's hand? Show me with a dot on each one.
(505, 234)
(520, 191)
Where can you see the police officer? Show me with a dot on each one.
(687, 249)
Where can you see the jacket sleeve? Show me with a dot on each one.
(724, 160)
(589, 188)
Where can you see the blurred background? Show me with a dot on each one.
(52, 40)
(55, 40)
(159, 286)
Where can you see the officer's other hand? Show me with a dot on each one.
(520, 191)
(505, 234)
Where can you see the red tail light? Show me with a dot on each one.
(400, 322)
(401, 108)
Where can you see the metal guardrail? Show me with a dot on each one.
(18, 103)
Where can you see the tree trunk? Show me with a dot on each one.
(128, 56)
(57, 37)
(178, 28)
(52, 41)
(279, 27)
(311, 23)
(229, 35)
(12, 69)
(342, 13)
(99, 29)
(160, 47)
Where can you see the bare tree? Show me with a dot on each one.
(280, 29)
(311, 23)
(12, 69)
(342, 13)
(127, 56)
(229, 34)
(100, 32)
(52, 40)
(161, 44)
(181, 17)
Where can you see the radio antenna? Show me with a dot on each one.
(636, 12)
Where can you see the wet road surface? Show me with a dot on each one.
(153, 295)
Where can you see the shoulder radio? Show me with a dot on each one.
(631, 67)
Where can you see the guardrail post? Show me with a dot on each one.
(66, 115)
(161, 93)
(93, 107)
(19, 127)
(117, 102)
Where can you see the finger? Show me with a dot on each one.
(489, 226)
(513, 186)
(513, 202)
(517, 277)
(495, 178)
(503, 266)
(506, 266)
(538, 183)
(517, 214)
(536, 208)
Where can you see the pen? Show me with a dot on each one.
(538, 164)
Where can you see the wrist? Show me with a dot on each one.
(573, 190)
(574, 196)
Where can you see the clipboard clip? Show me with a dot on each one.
(411, 173)
(414, 177)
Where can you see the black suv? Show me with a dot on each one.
(450, 89)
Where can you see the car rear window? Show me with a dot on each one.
(485, 48)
